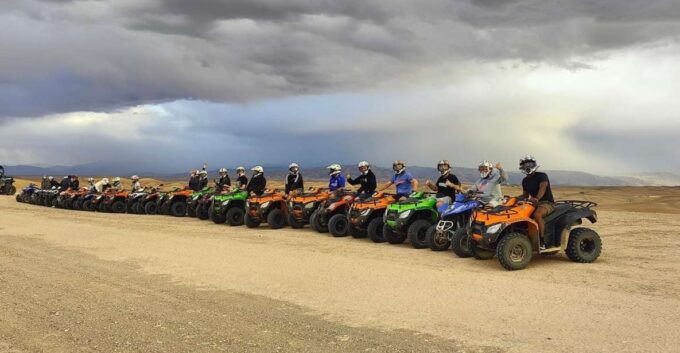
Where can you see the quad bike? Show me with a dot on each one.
(366, 216)
(451, 228)
(134, 202)
(7, 185)
(229, 207)
(194, 201)
(89, 201)
(148, 204)
(49, 197)
(67, 199)
(410, 218)
(511, 234)
(203, 206)
(79, 199)
(27, 193)
(175, 203)
(270, 207)
(302, 206)
(115, 202)
(331, 215)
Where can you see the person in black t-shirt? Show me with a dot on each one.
(536, 189)
(224, 181)
(447, 185)
(257, 183)
(366, 180)
(294, 180)
(242, 179)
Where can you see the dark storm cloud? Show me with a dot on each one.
(62, 56)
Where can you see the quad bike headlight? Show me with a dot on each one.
(366, 212)
(265, 205)
(310, 205)
(494, 228)
(225, 203)
(405, 215)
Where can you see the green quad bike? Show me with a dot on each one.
(7, 185)
(229, 207)
(411, 218)
(194, 202)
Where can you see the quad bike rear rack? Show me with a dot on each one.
(579, 204)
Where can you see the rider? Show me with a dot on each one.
(53, 183)
(102, 185)
(136, 184)
(366, 179)
(193, 179)
(402, 180)
(242, 180)
(65, 183)
(257, 183)
(294, 179)
(116, 184)
(74, 182)
(224, 180)
(536, 189)
(45, 184)
(337, 180)
(447, 185)
(202, 179)
(91, 186)
(489, 183)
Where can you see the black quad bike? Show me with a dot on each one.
(7, 185)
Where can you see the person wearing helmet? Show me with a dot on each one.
(337, 180)
(489, 183)
(202, 179)
(257, 183)
(65, 183)
(53, 183)
(366, 179)
(294, 180)
(536, 189)
(224, 181)
(102, 185)
(136, 184)
(74, 182)
(447, 185)
(242, 179)
(45, 183)
(117, 184)
(402, 180)
(195, 178)
(91, 186)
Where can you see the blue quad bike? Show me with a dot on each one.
(451, 230)
(27, 193)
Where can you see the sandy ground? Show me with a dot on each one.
(74, 281)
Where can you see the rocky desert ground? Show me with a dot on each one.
(90, 282)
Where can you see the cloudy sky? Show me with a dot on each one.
(583, 85)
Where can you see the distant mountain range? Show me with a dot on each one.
(557, 177)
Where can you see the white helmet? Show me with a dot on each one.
(222, 170)
(293, 165)
(334, 169)
(203, 172)
(442, 163)
(105, 180)
(487, 172)
(364, 164)
(397, 163)
(240, 169)
(90, 180)
(528, 165)
(134, 177)
(257, 169)
(116, 179)
(50, 177)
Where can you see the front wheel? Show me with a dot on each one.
(417, 233)
(294, 223)
(118, 207)
(375, 230)
(514, 251)
(250, 221)
(202, 212)
(10, 190)
(438, 241)
(276, 219)
(88, 205)
(151, 208)
(19, 198)
(178, 209)
(392, 236)
(315, 222)
(460, 243)
(235, 216)
(584, 245)
(217, 218)
(338, 225)
(479, 253)
(357, 233)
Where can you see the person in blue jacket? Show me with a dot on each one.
(402, 180)
(337, 180)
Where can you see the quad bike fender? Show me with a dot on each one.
(528, 223)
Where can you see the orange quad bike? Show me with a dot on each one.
(509, 233)
(331, 215)
(115, 202)
(301, 206)
(66, 198)
(366, 216)
(175, 203)
(76, 201)
(270, 207)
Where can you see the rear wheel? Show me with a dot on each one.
(514, 251)
(294, 223)
(417, 233)
(357, 233)
(250, 221)
(392, 236)
(88, 205)
(315, 221)
(178, 209)
(19, 198)
(438, 241)
(460, 243)
(584, 245)
(375, 230)
(151, 207)
(235, 216)
(276, 219)
(218, 218)
(338, 225)
(202, 212)
(67, 204)
(10, 190)
(191, 210)
(118, 207)
(78, 204)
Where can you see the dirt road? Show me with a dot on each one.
(73, 281)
